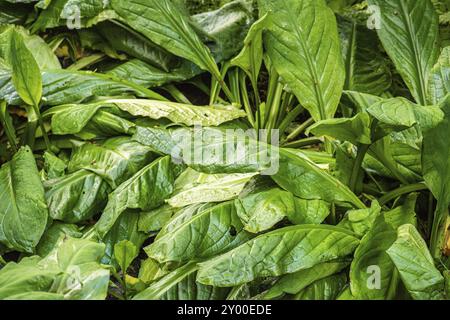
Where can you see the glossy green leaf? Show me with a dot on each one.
(415, 264)
(26, 75)
(166, 24)
(324, 289)
(208, 233)
(355, 130)
(157, 177)
(294, 283)
(76, 197)
(115, 160)
(372, 273)
(303, 44)
(409, 31)
(23, 210)
(193, 187)
(438, 85)
(285, 250)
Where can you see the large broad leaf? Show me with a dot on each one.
(208, 233)
(372, 273)
(436, 173)
(285, 250)
(303, 44)
(116, 160)
(71, 119)
(137, 46)
(76, 197)
(306, 180)
(367, 70)
(146, 190)
(64, 87)
(26, 75)
(166, 24)
(23, 210)
(415, 265)
(147, 75)
(194, 187)
(226, 27)
(355, 130)
(71, 271)
(409, 32)
(40, 50)
(80, 276)
(397, 114)
(55, 235)
(28, 278)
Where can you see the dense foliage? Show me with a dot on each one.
(103, 104)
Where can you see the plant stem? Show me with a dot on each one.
(177, 94)
(401, 191)
(303, 142)
(246, 101)
(41, 125)
(300, 129)
(356, 171)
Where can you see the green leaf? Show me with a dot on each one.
(167, 25)
(303, 44)
(55, 235)
(28, 278)
(397, 114)
(409, 32)
(372, 273)
(294, 283)
(355, 130)
(367, 70)
(285, 250)
(124, 229)
(360, 221)
(65, 86)
(160, 287)
(76, 197)
(251, 57)
(195, 187)
(206, 234)
(306, 180)
(438, 85)
(178, 113)
(115, 160)
(71, 272)
(261, 211)
(157, 178)
(23, 210)
(124, 253)
(324, 289)
(26, 75)
(81, 277)
(436, 173)
(415, 265)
